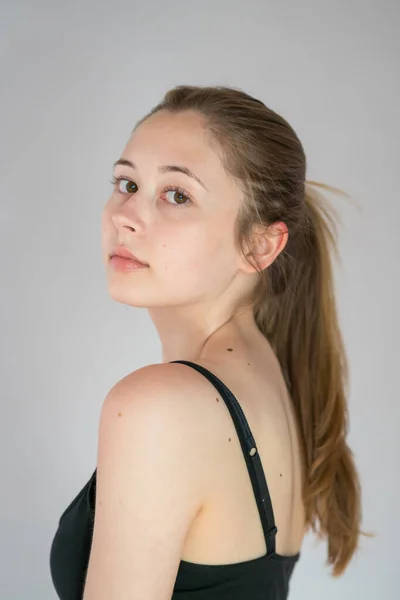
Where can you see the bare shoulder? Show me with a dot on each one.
(165, 397)
(172, 382)
(152, 482)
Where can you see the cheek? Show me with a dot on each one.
(106, 233)
(193, 258)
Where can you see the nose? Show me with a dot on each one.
(129, 216)
(122, 221)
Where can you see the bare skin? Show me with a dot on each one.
(193, 289)
(228, 529)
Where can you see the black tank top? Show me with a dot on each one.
(263, 578)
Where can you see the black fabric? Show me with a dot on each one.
(263, 578)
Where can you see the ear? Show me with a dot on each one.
(267, 243)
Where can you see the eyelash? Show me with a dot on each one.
(116, 180)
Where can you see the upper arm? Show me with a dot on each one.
(151, 477)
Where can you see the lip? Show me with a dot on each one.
(124, 253)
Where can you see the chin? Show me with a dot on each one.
(131, 297)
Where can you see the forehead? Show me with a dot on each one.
(177, 138)
(185, 132)
(189, 123)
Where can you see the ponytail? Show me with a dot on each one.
(298, 315)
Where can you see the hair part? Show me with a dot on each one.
(293, 301)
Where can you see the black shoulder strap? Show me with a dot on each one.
(250, 453)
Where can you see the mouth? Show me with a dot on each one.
(124, 253)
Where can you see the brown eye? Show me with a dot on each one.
(178, 197)
(128, 186)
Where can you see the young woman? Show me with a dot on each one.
(213, 464)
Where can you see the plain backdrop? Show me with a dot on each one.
(75, 77)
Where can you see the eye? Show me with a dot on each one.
(179, 196)
(130, 186)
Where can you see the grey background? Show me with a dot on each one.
(74, 79)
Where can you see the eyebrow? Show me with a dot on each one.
(164, 169)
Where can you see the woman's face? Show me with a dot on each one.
(185, 235)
